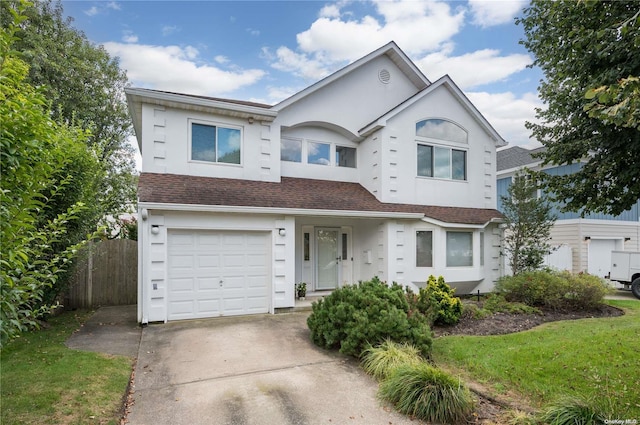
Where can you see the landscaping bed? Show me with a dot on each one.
(506, 323)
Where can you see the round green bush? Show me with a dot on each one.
(571, 410)
(437, 302)
(427, 393)
(355, 317)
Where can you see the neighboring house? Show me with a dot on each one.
(591, 238)
(372, 171)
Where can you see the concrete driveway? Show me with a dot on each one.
(249, 370)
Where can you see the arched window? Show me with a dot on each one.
(441, 129)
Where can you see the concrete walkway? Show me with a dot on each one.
(110, 330)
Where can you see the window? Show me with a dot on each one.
(443, 163)
(306, 246)
(291, 150)
(345, 240)
(424, 249)
(310, 152)
(215, 144)
(482, 248)
(441, 129)
(318, 153)
(459, 249)
(345, 157)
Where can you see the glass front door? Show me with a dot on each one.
(327, 258)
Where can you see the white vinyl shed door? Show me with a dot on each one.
(218, 273)
(600, 256)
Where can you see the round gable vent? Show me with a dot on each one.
(384, 76)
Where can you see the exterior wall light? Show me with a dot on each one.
(155, 229)
(282, 232)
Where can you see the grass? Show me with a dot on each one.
(590, 358)
(425, 392)
(43, 382)
(380, 361)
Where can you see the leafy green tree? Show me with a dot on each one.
(529, 220)
(588, 53)
(35, 153)
(85, 86)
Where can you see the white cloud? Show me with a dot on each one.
(475, 68)
(169, 29)
(174, 68)
(487, 13)
(221, 59)
(253, 31)
(299, 64)
(129, 37)
(417, 26)
(507, 113)
(334, 38)
(114, 5)
(93, 11)
(278, 94)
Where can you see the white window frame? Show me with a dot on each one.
(472, 233)
(451, 149)
(304, 156)
(433, 250)
(217, 125)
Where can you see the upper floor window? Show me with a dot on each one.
(441, 129)
(442, 162)
(211, 143)
(295, 150)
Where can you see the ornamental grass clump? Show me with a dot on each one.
(571, 410)
(382, 360)
(427, 393)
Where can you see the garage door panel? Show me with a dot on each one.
(198, 262)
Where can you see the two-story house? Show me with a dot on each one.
(591, 238)
(372, 171)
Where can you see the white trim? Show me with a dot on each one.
(460, 225)
(267, 210)
(600, 222)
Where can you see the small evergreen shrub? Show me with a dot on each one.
(573, 411)
(356, 316)
(427, 393)
(383, 359)
(553, 290)
(472, 311)
(496, 303)
(437, 302)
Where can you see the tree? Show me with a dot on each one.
(529, 221)
(587, 51)
(35, 151)
(84, 86)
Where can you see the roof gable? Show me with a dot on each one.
(397, 56)
(447, 82)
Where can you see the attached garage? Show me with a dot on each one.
(217, 273)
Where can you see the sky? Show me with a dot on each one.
(265, 51)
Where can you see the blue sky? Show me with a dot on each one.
(265, 51)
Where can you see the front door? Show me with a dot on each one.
(327, 258)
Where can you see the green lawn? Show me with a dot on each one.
(43, 382)
(598, 358)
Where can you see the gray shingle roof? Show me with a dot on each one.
(516, 156)
(294, 193)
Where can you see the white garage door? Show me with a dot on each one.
(218, 273)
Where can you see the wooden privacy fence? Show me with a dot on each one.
(106, 273)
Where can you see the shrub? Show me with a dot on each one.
(356, 316)
(437, 302)
(573, 411)
(427, 393)
(383, 359)
(553, 290)
(496, 303)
